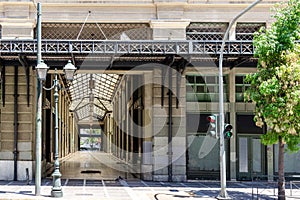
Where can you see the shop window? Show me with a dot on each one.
(204, 88)
(198, 123)
(245, 124)
(240, 88)
(291, 161)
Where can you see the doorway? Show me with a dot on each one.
(251, 160)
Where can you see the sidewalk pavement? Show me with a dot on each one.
(97, 177)
(144, 190)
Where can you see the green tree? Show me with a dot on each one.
(275, 87)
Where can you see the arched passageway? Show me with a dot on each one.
(126, 120)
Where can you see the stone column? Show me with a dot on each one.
(26, 117)
(17, 23)
(232, 32)
(179, 130)
(160, 131)
(147, 160)
(169, 29)
(161, 127)
(233, 155)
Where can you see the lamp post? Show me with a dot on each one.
(38, 135)
(223, 194)
(69, 70)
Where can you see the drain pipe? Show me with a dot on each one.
(16, 124)
(170, 131)
(3, 84)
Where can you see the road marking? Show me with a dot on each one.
(66, 183)
(105, 189)
(47, 183)
(9, 183)
(145, 184)
(240, 184)
(183, 184)
(202, 185)
(131, 193)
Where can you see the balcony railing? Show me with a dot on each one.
(233, 1)
(126, 47)
(151, 1)
(88, 1)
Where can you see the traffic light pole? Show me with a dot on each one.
(223, 194)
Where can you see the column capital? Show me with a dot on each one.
(21, 29)
(160, 23)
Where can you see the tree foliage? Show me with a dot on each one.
(275, 87)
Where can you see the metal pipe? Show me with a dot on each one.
(162, 86)
(178, 84)
(23, 62)
(38, 136)
(16, 124)
(223, 194)
(27, 85)
(170, 131)
(3, 84)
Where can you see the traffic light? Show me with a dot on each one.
(228, 131)
(212, 126)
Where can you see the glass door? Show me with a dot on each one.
(250, 157)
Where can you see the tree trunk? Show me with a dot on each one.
(281, 180)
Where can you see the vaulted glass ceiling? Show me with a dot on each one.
(92, 94)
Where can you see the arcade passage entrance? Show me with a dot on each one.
(129, 103)
(128, 115)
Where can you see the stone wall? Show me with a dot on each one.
(168, 150)
(25, 125)
(167, 18)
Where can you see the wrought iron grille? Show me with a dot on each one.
(206, 31)
(94, 1)
(13, 47)
(95, 31)
(245, 31)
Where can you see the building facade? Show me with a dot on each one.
(159, 60)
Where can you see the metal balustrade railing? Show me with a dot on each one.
(267, 186)
(126, 47)
(233, 1)
(151, 1)
(88, 1)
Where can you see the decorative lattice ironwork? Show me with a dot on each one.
(96, 31)
(94, 1)
(227, 2)
(206, 31)
(245, 31)
(128, 47)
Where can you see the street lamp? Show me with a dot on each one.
(42, 69)
(69, 70)
(223, 193)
